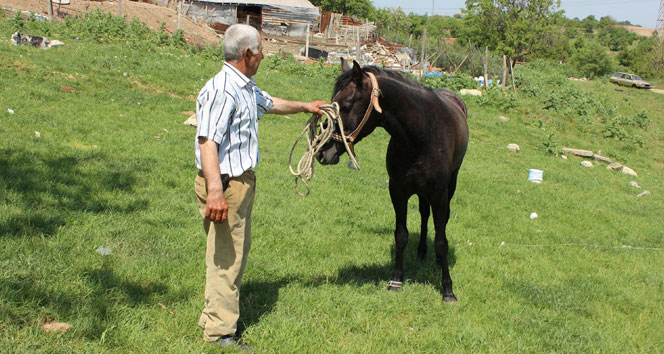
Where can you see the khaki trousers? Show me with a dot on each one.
(226, 255)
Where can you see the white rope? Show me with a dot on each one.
(319, 131)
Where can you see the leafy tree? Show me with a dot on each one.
(589, 24)
(646, 57)
(362, 9)
(591, 59)
(511, 27)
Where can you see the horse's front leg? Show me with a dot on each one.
(441, 214)
(400, 204)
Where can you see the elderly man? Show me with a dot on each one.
(228, 109)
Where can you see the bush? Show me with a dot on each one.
(591, 59)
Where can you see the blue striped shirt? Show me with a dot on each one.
(227, 112)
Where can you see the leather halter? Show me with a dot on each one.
(373, 104)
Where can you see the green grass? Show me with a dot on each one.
(114, 166)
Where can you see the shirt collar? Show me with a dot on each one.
(236, 76)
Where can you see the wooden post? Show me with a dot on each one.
(357, 46)
(410, 41)
(50, 10)
(424, 49)
(512, 72)
(504, 71)
(247, 20)
(470, 57)
(119, 8)
(306, 45)
(179, 13)
(486, 66)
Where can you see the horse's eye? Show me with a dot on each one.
(346, 107)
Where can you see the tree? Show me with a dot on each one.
(511, 27)
(591, 59)
(361, 9)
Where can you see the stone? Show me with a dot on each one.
(628, 171)
(470, 92)
(614, 166)
(587, 164)
(191, 120)
(504, 119)
(602, 158)
(644, 193)
(634, 184)
(564, 157)
(579, 152)
(513, 147)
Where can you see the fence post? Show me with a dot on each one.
(306, 45)
(179, 13)
(470, 57)
(119, 8)
(50, 10)
(486, 67)
(424, 47)
(512, 72)
(504, 70)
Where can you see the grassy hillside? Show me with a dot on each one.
(113, 166)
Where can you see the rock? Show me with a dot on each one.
(579, 152)
(634, 184)
(586, 164)
(191, 120)
(38, 134)
(564, 157)
(602, 158)
(504, 119)
(56, 327)
(628, 171)
(513, 147)
(470, 92)
(644, 193)
(614, 166)
(533, 216)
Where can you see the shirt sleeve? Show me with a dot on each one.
(214, 108)
(263, 101)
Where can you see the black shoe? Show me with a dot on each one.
(232, 342)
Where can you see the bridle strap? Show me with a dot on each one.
(373, 104)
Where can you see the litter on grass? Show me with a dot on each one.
(10, 111)
(533, 216)
(103, 250)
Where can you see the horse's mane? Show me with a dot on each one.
(345, 77)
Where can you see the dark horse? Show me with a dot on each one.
(429, 136)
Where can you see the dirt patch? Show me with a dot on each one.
(657, 90)
(642, 31)
(152, 15)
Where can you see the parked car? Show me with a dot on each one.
(632, 80)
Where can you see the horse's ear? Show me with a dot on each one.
(344, 65)
(357, 74)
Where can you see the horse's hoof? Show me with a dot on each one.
(394, 285)
(451, 299)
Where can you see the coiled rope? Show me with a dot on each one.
(319, 130)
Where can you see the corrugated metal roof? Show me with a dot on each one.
(276, 3)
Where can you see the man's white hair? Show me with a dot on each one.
(239, 37)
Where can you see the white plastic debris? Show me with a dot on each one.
(634, 184)
(38, 134)
(564, 157)
(513, 147)
(644, 193)
(535, 175)
(10, 111)
(103, 250)
(533, 216)
(502, 243)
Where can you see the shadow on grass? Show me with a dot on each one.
(259, 297)
(45, 189)
(107, 294)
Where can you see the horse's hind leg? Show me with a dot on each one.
(400, 204)
(425, 211)
(441, 213)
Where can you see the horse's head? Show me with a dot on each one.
(356, 92)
